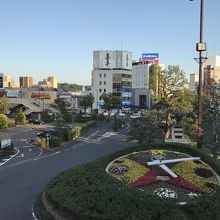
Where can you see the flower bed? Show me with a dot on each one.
(187, 169)
(193, 177)
(134, 172)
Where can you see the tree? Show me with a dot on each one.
(4, 107)
(173, 97)
(145, 130)
(155, 80)
(91, 100)
(20, 118)
(110, 101)
(61, 105)
(47, 117)
(211, 115)
(3, 121)
(87, 101)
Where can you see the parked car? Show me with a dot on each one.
(35, 121)
(135, 115)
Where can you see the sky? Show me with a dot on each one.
(57, 37)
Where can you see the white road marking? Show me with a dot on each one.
(22, 155)
(93, 134)
(50, 155)
(29, 149)
(66, 149)
(41, 152)
(12, 156)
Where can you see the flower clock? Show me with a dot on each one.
(166, 174)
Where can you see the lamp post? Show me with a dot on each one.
(200, 47)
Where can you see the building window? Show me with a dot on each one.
(100, 98)
(104, 90)
(104, 75)
(100, 82)
(100, 75)
(104, 82)
(100, 90)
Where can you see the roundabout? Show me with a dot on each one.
(166, 174)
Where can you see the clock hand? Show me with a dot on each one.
(159, 162)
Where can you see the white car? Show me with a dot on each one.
(135, 115)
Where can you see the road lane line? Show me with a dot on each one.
(11, 156)
(50, 155)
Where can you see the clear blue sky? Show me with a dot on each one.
(57, 37)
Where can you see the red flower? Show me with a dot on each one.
(148, 178)
(180, 181)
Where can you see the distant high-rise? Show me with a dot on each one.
(53, 80)
(50, 82)
(193, 82)
(8, 82)
(1, 80)
(26, 81)
(211, 72)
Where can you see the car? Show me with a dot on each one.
(135, 115)
(35, 121)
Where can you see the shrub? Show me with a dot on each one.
(46, 117)
(3, 121)
(20, 118)
(88, 192)
(55, 142)
(117, 124)
(67, 117)
(68, 134)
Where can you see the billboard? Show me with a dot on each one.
(150, 57)
(112, 60)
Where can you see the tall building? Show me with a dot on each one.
(141, 94)
(211, 72)
(26, 81)
(53, 81)
(112, 72)
(8, 82)
(193, 82)
(50, 82)
(1, 80)
(140, 84)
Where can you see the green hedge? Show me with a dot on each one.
(76, 131)
(87, 192)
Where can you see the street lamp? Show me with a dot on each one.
(200, 47)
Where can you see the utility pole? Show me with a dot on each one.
(200, 47)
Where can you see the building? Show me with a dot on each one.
(112, 73)
(53, 81)
(50, 82)
(211, 72)
(8, 82)
(26, 81)
(1, 80)
(193, 82)
(140, 84)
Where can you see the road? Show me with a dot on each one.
(21, 181)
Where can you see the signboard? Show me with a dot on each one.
(112, 60)
(5, 143)
(40, 95)
(150, 57)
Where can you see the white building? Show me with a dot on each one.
(50, 82)
(112, 72)
(213, 61)
(193, 82)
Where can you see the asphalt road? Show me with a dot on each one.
(21, 181)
